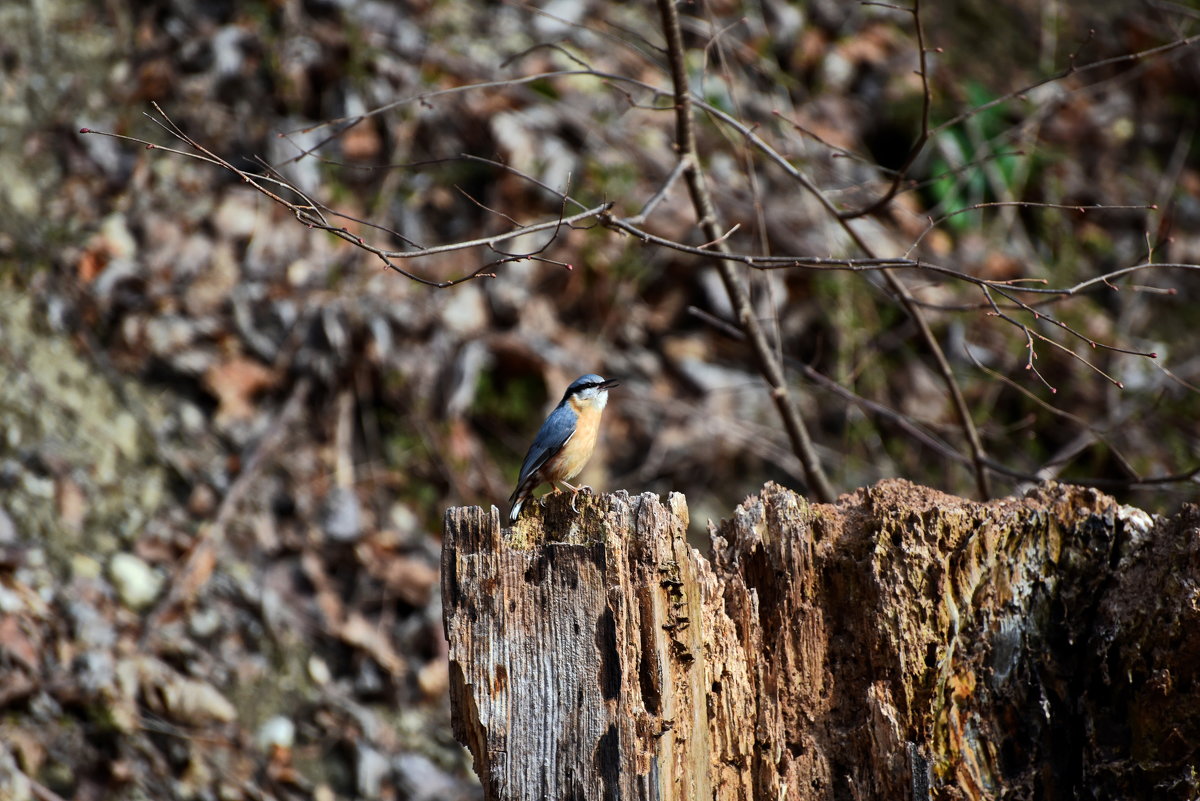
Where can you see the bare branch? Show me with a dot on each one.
(662, 192)
(935, 222)
(311, 214)
(771, 369)
(1072, 69)
(1006, 299)
(905, 422)
(894, 284)
(923, 135)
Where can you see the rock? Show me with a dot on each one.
(8, 529)
(466, 312)
(277, 732)
(237, 216)
(421, 780)
(318, 671)
(204, 622)
(180, 698)
(14, 784)
(137, 583)
(342, 517)
(93, 629)
(371, 770)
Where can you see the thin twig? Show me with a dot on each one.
(906, 423)
(311, 214)
(629, 225)
(873, 264)
(918, 434)
(897, 287)
(314, 215)
(685, 138)
(923, 135)
(1027, 204)
(662, 192)
(1070, 70)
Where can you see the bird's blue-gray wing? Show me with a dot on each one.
(555, 432)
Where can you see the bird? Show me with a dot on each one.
(565, 441)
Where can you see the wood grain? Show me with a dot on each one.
(901, 644)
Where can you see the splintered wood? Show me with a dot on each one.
(902, 644)
(575, 654)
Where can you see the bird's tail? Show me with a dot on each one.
(517, 500)
(522, 493)
(515, 509)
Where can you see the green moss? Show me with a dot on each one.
(97, 478)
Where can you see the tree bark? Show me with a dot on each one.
(899, 644)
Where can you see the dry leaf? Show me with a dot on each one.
(16, 643)
(361, 633)
(236, 383)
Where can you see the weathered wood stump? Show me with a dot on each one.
(901, 644)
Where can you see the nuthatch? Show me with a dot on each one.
(565, 441)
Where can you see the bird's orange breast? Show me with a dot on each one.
(569, 462)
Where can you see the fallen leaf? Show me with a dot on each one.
(235, 383)
(180, 698)
(362, 633)
(16, 643)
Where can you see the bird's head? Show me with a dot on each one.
(590, 388)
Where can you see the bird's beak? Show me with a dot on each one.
(610, 383)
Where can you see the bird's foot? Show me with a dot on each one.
(575, 493)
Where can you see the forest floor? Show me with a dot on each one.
(229, 440)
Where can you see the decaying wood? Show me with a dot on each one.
(900, 644)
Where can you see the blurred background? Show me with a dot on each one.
(229, 440)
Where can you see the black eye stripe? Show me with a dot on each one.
(577, 388)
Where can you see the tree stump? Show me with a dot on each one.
(900, 644)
